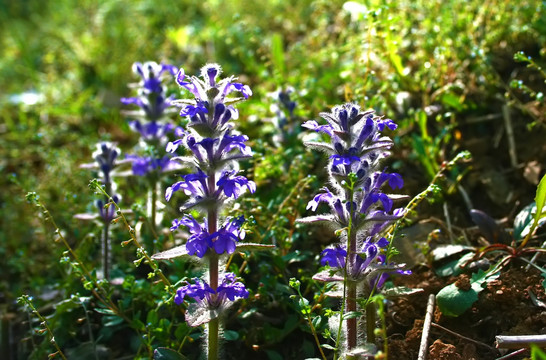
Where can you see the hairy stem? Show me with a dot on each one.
(106, 250)
(212, 222)
(370, 322)
(105, 235)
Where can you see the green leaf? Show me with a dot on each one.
(111, 321)
(537, 353)
(523, 221)
(317, 321)
(152, 317)
(540, 199)
(453, 301)
(163, 353)
(199, 315)
(352, 315)
(171, 253)
(105, 311)
(392, 49)
(230, 335)
(453, 268)
(254, 247)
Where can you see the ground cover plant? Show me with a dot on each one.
(161, 174)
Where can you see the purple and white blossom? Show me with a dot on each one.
(358, 208)
(151, 97)
(201, 292)
(151, 121)
(214, 148)
(105, 157)
(356, 149)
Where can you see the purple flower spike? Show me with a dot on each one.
(358, 208)
(213, 149)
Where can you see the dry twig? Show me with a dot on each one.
(519, 341)
(423, 347)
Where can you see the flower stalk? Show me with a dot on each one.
(215, 150)
(359, 211)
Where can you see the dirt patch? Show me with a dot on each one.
(510, 305)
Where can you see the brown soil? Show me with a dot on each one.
(505, 307)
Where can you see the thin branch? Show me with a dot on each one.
(519, 341)
(463, 337)
(426, 328)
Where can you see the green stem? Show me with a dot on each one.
(106, 250)
(153, 212)
(134, 239)
(212, 222)
(26, 300)
(370, 322)
(351, 285)
(105, 237)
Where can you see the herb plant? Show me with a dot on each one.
(215, 150)
(359, 211)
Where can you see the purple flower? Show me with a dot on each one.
(224, 240)
(194, 185)
(230, 142)
(200, 291)
(143, 165)
(313, 125)
(151, 72)
(105, 157)
(151, 97)
(243, 89)
(195, 112)
(199, 241)
(152, 130)
(210, 73)
(232, 185)
(365, 261)
(334, 257)
(231, 289)
(356, 149)
(344, 159)
(327, 197)
(110, 213)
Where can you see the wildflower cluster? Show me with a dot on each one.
(359, 210)
(215, 150)
(150, 120)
